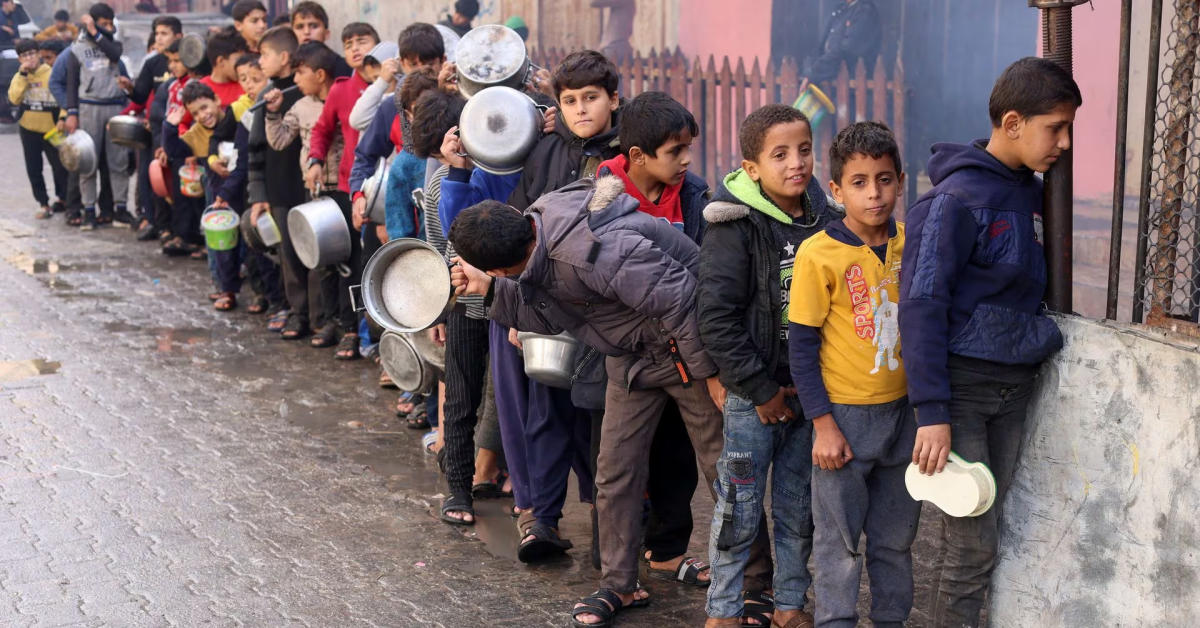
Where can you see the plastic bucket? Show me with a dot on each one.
(814, 104)
(191, 181)
(55, 137)
(220, 229)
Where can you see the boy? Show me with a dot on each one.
(274, 175)
(189, 147)
(61, 29)
(381, 66)
(253, 81)
(94, 94)
(250, 20)
(757, 220)
(37, 115)
(970, 307)
(153, 76)
(460, 20)
(223, 50)
(843, 317)
(310, 22)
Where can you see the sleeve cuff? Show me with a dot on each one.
(73, 112)
(932, 413)
(760, 389)
(459, 175)
(357, 195)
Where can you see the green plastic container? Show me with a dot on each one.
(220, 229)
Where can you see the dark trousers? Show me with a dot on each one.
(35, 145)
(335, 288)
(264, 277)
(295, 273)
(512, 406)
(466, 372)
(988, 403)
(185, 210)
(145, 192)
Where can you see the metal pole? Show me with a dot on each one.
(1139, 270)
(1118, 216)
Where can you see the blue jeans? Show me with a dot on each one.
(751, 452)
(869, 496)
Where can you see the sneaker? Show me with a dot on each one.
(148, 234)
(89, 221)
(124, 219)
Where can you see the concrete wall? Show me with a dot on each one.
(1100, 526)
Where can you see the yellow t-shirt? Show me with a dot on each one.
(853, 298)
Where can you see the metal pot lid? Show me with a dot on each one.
(191, 50)
(491, 53)
(375, 189)
(126, 119)
(450, 40)
(78, 153)
(432, 354)
(401, 362)
(499, 127)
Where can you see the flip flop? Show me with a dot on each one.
(545, 543)
(688, 573)
(605, 604)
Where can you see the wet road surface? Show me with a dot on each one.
(165, 464)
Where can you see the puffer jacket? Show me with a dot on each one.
(617, 279)
(561, 158)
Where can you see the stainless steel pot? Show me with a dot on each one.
(499, 127)
(78, 153)
(405, 287)
(404, 365)
(128, 131)
(191, 50)
(550, 359)
(432, 354)
(319, 233)
(450, 41)
(375, 189)
(489, 56)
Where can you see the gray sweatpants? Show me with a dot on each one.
(92, 119)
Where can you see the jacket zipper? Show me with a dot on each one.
(583, 364)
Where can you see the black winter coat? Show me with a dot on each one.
(562, 158)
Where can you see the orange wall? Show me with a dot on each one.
(1096, 44)
(722, 27)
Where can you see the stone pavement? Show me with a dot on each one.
(170, 465)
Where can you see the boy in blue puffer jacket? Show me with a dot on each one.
(971, 313)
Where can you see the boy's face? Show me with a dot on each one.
(60, 24)
(175, 66)
(669, 164)
(357, 48)
(225, 68)
(164, 37)
(309, 81)
(785, 164)
(205, 111)
(253, 27)
(105, 24)
(309, 28)
(251, 79)
(273, 62)
(588, 110)
(48, 56)
(370, 70)
(412, 64)
(1040, 140)
(869, 189)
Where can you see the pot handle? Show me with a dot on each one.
(343, 269)
(356, 300)
(458, 132)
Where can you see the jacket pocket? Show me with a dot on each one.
(1008, 336)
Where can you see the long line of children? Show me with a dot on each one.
(754, 330)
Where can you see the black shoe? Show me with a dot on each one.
(149, 234)
(58, 207)
(124, 219)
(89, 221)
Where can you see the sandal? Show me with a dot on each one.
(802, 620)
(258, 306)
(43, 213)
(227, 302)
(428, 442)
(385, 382)
(517, 514)
(688, 573)
(297, 328)
(200, 254)
(492, 490)
(418, 420)
(278, 321)
(348, 349)
(458, 502)
(759, 606)
(415, 400)
(605, 604)
(327, 337)
(545, 543)
(74, 218)
(104, 218)
(178, 248)
(213, 296)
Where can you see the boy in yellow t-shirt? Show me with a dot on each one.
(844, 316)
(38, 113)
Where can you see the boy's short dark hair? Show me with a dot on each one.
(359, 29)
(283, 19)
(280, 39)
(752, 134)
(1032, 86)
(434, 113)
(316, 56)
(101, 11)
(415, 84)
(870, 139)
(224, 43)
(491, 235)
(586, 67)
(244, 8)
(651, 120)
(423, 42)
(61, 15)
(195, 90)
(27, 45)
(174, 47)
(311, 9)
(467, 8)
(249, 59)
(170, 21)
(53, 45)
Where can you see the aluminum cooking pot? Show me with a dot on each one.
(433, 355)
(402, 363)
(489, 56)
(129, 131)
(499, 127)
(550, 359)
(450, 41)
(405, 287)
(191, 51)
(375, 189)
(319, 233)
(250, 235)
(78, 153)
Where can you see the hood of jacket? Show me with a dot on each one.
(569, 236)
(950, 158)
(738, 193)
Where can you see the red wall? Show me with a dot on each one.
(721, 27)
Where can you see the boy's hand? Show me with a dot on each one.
(777, 409)
(451, 149)
(125, 83)
(274, 99)
(388, 69)
(72, 124)
(220, 203)
(716, 391)
(358, 212)
(381, 233)
(175, 116)
(542, 83)
(89, 23)
(467, 279)
(437, 334)
(550, 118)
(513, 340)
(219, 167)
(160, 156)
(258, 209)
(830, 449)
(448, 77)
(312, 178)
(932, 448)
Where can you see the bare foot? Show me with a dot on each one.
(673, 565)
(626, 600)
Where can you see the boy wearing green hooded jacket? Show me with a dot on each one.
(757, 221)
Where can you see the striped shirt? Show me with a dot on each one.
(433, 235)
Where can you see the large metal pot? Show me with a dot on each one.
(78, 153)
(375, 189)
(450, 41)
(405, 287)
(432, 354)
(499, 127)
(404, 365)
(489, 56)
(191, 50)
(128, 131)
(319, 233)
(550, 359)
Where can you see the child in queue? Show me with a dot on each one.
(250, 20)
(37, 115)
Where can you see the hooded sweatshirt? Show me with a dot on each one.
(668, 206)
(974, 274)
